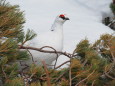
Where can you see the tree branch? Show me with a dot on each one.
(84, 79)
(46, 51)
(47, 73)
(62, 64)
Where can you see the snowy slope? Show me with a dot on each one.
(85, 18)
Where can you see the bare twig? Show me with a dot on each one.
(55, 62)
(84, 79)
(93, 83)
(62, 64)
(84, 63)
(45, 51)
(108, 74)
(31, 55)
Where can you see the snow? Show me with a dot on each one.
(85, 18)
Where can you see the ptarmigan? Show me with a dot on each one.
(53, 38)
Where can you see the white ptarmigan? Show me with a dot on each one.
(53, 38)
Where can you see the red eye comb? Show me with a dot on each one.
(62, 15)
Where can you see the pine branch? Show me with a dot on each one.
(84, 79)
(61, 76)
(4, 73)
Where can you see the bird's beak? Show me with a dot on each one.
(67, 18)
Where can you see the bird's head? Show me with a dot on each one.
(61, 18)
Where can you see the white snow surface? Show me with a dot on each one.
(85, 19)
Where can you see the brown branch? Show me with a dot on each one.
(70, 78)
(31, 55)
(84, 79)
(46, 51)
(47, 73)
(109, 76)
(62, 64)
(105, 72)
(84, 63)
(93, 83)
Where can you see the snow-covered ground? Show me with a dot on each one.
(85, 18)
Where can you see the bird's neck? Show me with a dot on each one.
(57, 27)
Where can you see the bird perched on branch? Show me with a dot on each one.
(52, 40)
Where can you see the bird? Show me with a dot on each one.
(52, 38)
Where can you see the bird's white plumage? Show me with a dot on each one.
(53, 38)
